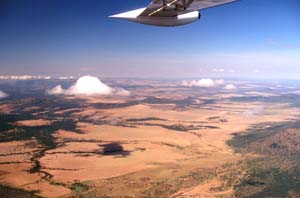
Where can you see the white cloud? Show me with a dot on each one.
(24, 77)
(208, 83)
(88, 85)
(205, 82)
(219, 82)
(66, 77)
(230, 87)
(2, 95)
(121, 92)
(56, 90)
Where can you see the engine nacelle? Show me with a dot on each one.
(182, 19)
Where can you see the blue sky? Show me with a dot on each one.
(249, 38)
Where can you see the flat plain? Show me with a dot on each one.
(164, 140)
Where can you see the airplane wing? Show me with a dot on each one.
(171, 8)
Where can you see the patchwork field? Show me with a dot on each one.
(163, 140)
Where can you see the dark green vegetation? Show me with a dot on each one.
(78, 188)
(276, 170)
(9, 192)
(267, 177)
(45, 108)
(166, 188)
(187, 102)
(180, 127)
(292, 99)
(144, 119)
(43, 134)
(10, 132)
(165, 184)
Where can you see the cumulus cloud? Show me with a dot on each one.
(230, 87)
(56, 90)
(88, 85)
(2, 95)
(205, 82)
(121, 92)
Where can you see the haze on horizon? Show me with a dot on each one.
(55, 37)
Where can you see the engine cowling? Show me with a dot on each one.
(182, 19)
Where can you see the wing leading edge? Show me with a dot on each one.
(171, 8)
(170, 12)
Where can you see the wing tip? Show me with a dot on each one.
(129, 14)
